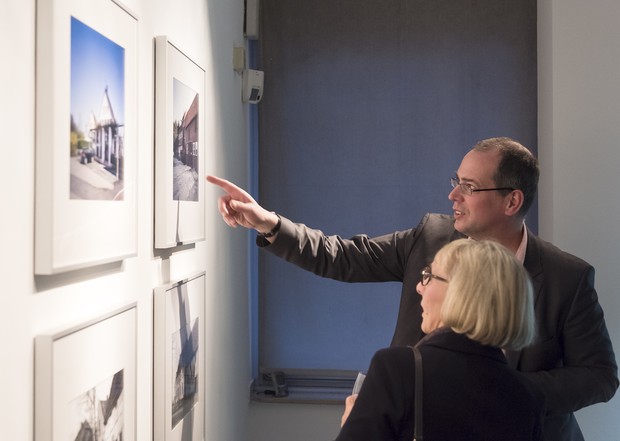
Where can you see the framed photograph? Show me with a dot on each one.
(86, 134)
(85, 380)
(179, 147)
(178, 371)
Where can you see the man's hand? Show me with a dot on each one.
(237, 207)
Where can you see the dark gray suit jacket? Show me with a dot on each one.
(572, 360)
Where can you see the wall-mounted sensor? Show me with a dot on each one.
(252, 85)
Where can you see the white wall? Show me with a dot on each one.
(579, 103)
(207, 32)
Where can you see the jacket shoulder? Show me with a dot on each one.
(437, 220)
(434, 231)
(548, 254)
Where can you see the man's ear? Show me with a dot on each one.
(514, 202)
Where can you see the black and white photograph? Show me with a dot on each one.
(99, 411)
(184, 368)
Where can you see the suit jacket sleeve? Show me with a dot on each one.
(359, 259)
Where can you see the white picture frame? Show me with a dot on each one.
(85, 380)
(179, 147)
(86, 134)
(179, 358)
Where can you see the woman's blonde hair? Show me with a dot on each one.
(489, 296)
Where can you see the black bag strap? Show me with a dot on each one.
(417, 421)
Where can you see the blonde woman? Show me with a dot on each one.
(476, 301)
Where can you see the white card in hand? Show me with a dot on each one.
(358, 383)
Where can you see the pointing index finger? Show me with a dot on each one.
(229, 188)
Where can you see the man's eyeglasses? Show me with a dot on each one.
(470, 189)
(427, 276)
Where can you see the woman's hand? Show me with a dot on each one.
(348, 406)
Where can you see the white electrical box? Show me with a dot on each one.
(252, 85)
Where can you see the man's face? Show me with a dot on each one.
(480, 215)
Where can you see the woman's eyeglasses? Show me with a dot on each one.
(427, 275)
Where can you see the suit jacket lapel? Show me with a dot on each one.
(534, 268)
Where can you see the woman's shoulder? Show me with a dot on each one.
(392, 367)
(393, 357)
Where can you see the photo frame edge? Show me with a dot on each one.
(46, 98)
(160, 356)
(162, 225)
(44, 369)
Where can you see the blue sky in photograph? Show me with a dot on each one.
(182, 97)
(96, 63)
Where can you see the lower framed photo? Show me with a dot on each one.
(178, 353)
(85, 380)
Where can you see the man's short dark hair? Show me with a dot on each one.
(518, 167)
